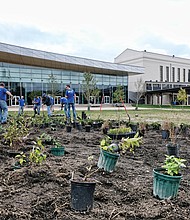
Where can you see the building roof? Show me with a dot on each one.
(26, 56)
(169, 90)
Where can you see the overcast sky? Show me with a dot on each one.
(97, 29)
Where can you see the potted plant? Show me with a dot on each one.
(82, 189)
(172, 146)
(68, 128)
(110, 150)
(119, 133)
(166, 179)
(46, 138)
(165, 129)
(57, 149)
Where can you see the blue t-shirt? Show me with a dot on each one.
(3, 95)
(52, 100)
(63, 100)
(37, 101)
(21, 102)
(70, 93)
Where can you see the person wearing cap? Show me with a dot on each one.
(3, 104)
(70, 95)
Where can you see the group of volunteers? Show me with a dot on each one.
(67, 102)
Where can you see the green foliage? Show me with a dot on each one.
(16, 132)
(130, 143)
(182, 95)
(118, 95)
(120, 130)
(21, 158)
(34, 94)
(156, 125)
(46, 138)
(125, 144)
(56, 143)
(36, 155)
(89, 86)
(173, 165)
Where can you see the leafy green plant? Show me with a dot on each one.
(36, 155)
(155, 125)
(125, 144)
(56, 143)
(16, 132)
(120, 130)
(130, 143)
(21, 158)
(108, 145)
(46, 138)
(173, 165)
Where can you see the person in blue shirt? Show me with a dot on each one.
(52, 102)
(63, 102)
(48, 103)
(3, 104)
(21, 102)
(37, 105)
(70, 95)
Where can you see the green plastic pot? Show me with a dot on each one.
(58, 151)
(165, 186)
(107, 160)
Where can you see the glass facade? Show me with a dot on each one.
(24, 80)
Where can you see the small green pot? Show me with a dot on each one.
(58, 151)
(165, 186)
(107, 160)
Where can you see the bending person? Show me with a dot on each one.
(3, 104)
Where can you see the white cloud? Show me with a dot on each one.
(97, 29)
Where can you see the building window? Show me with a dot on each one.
(167, 73)
(183, 75)
(178, 74)
(161, 73)
(188, 75)
(173, 74)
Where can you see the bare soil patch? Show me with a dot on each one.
(43, 192)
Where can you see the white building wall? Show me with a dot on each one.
(152, 62)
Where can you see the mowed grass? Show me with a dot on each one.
(177, 116)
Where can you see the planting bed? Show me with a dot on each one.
(43, 192)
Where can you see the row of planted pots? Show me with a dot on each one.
(82, 191)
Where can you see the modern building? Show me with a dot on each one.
(164, 75)
(27, 72)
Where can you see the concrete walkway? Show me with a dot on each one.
(78, 107)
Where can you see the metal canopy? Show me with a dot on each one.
(25, 56)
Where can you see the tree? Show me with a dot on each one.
(89, 87)
(182, 96)
(53, 83)
(140, 90)
(118, 95)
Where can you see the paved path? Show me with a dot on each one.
(78, 107)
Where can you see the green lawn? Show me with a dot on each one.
(177, 116)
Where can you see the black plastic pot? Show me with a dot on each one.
(82, 195)
(173, 149)
(165, 134)
(120, 136)
(68, 128)
(87, 128)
